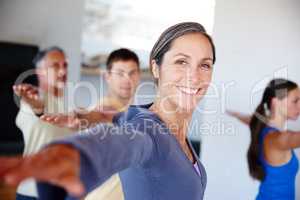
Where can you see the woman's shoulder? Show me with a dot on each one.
(136, 114)
(146, 122)
(267, 130)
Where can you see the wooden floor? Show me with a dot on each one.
(6, 192)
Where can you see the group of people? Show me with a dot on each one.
(44, 116)
(138, 152)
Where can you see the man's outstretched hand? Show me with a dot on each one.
(30, 95)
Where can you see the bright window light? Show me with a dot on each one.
(136, 24)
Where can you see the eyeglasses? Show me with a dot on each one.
(124, 74)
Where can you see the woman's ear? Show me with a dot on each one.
(155, 69)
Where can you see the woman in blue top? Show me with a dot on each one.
(271, 158)
(147, 144)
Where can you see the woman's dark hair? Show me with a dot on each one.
(122, 54)
(277, 88)
(164, 42)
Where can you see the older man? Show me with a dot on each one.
(48, 97)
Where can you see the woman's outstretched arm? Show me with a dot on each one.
(82, 161)
(284, 140)
(240, 116)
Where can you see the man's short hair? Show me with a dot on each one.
(43, 53)
(122, 54)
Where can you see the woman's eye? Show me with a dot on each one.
(181, 62)
(206, 66)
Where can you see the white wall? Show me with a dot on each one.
(45, 23)
(254, 39)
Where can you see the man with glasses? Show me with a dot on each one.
(122, 76)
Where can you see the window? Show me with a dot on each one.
(136, 24)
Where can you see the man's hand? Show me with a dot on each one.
(80, 120)
(62, 120)
(56, 164)
(30, 95)
(98, 116)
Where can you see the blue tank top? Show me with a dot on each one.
(279, 181)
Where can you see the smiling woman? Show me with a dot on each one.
(191, 67)
(148, 144)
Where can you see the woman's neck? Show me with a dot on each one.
(176, 121)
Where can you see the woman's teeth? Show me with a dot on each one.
(190, 91)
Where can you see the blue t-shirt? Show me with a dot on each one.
(149, 159)
(279, 181)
